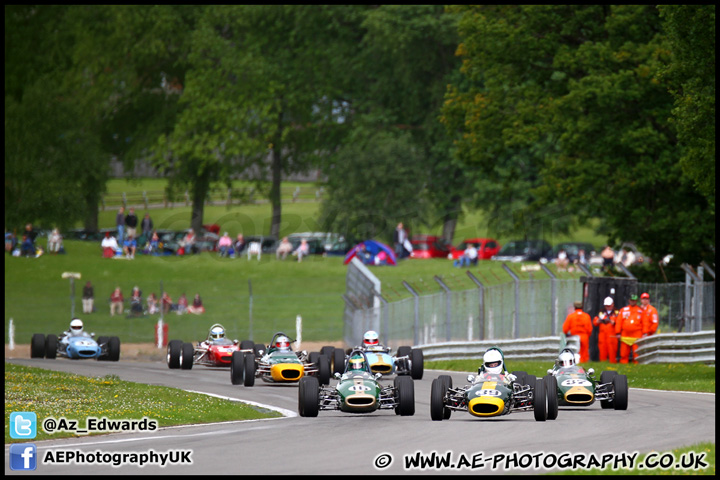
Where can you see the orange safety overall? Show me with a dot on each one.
(630, 328)
(579, 323)
(649, 320)
(607, 340)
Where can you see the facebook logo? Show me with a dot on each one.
(23, 456)
(23, 425)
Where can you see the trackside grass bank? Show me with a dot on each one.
(59, 394)
(680, 377)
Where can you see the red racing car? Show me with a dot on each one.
(215, 351)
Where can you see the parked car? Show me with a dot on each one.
(486, 247)
(268, 244)
(315, 243)
(429, 246)
(573, 248)
(524, 251)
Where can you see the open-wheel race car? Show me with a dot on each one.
(357, 391)
(277, 364)
(75, 344)
(578, 387)
(406, 361)
(214, 351)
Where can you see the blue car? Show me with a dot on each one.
(406, 361)
(75, 347)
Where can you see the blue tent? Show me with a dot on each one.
(369, 252)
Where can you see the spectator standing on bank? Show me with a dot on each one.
(131, 222)
(120, 225)
(649, 315)
(607, 340)
(146, 225)
(399, 237)
(116, 302)
(608, 256)
(630, 328)
(579, 323)
(88, 297)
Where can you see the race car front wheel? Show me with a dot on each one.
(309, 397)
(186, 356)
(37, 346)
(620, 401)
(540, 402)
(551, 389)
(249, 366)
(417, 363)
(174, 349)
(51, 342)
(405, 391)
(437, 399)
(237, 368)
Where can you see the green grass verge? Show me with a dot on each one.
(677, 376)
(59, 394)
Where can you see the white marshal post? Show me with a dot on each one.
(72, 276)
(298, 332)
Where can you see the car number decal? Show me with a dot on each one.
(486, 392)
(575, 382)
(359, 388)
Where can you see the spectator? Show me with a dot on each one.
(302, 250)
(152, 245)
(578, 323)
(197, 305)
(399, 237)
(27, 247)
(30, 232)
(188, 242)
(469, 257)
(167, 303)
(607, 340)
(152, 304)
(224, 245)
(116, 302)
(120, 224)
(608, 256)
(629, 328)
(146, 225)
(55, 242)
(381, 258)
(561, 262)
(628, 257)
(131, 222)
(88, 298)
(283, 249)
(182, 305)
(239, 245)
(581, 258)
(109, 246)
(10, 241)
(129, 247)
(649, 316)
(136, 301)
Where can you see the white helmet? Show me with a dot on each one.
(566, 359)
(217, 332)
(76, 326)
(493, 361)
(371, 338)
(608, 301)
(282, 343)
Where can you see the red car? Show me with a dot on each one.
(215, 351)
(429, 246)
(486, 247)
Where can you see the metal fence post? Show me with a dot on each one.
(448, 308)
(553, 299)
(384, 318)
(416, 325)
(516, 316)
(250, 307)
(481, 301)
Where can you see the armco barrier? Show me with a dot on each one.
(698, 347)
(543, 348)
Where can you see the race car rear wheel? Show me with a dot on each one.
(437, 400)
(405, 394)
(323, 364)
(540, 402)
(403, 351)
(113, 349)
(551, 389)
(237, 368)
(520, 377)
(259, 349)
(174, 349)
(51, 342)
(338, 364)
(447, 381)
(417, 363)
(37, 346)
(327, 351)
(607, 377)
(313, 357)
(247, 345)
(620, 401)
(309, 397)
(187, 352)
(249, 367)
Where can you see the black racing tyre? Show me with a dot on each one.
(551, 390)
(313, 357)
(405, 391)
(328, 352)
(323, 370)
(520, 377)
(237, 368)
(403, 351)
(103, 341)
(540, 402)
(437, 400)
(259, 349)
(338, 364)
(249, 365)
(114, 349)
(417, 363)
(620, 402)
(247, 345)
(187, 352)
(607, 377)
(37, 346)
(174, 349)
(530, 380)
(447, 381)
(51, 343)
(309, 397)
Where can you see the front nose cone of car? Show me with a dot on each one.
(380, 365)
(83, 351)
(486, 406)
(578, 395)
(286, 372)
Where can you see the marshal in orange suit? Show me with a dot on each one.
(579, 323)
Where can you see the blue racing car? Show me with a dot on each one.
(75, 344)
